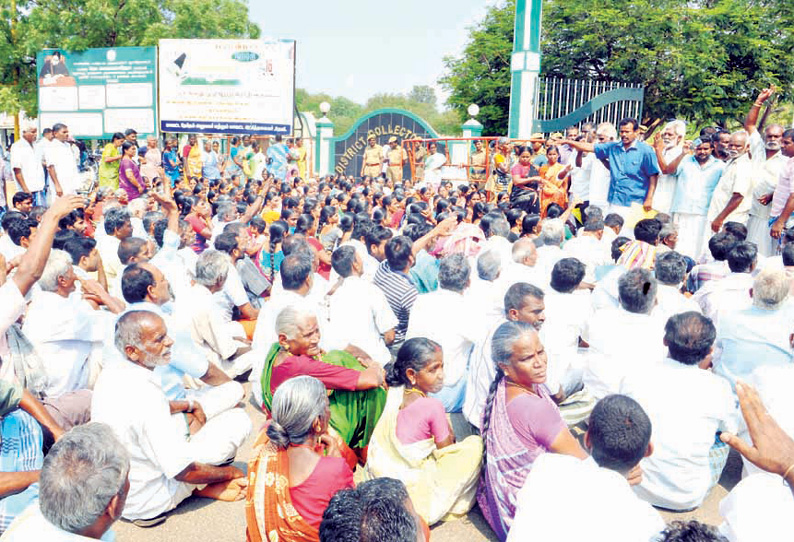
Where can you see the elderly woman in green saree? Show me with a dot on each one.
(356, 392)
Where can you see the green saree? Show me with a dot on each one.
(354, 414)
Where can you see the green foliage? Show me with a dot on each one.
(700, 60)
(482, 74)
(421, 101)
(81, 24)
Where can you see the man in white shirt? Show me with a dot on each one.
(594, 491)
(443, 316)
(731, 199)
(731, 293)
(233, 293)
(588, 248)
(208, 329)
(567, 314)
(61, 163)
(757, 336)
(28, 172)
(485, 296)
(359, 311)
(549, 241)
(687, 462)
(88, 469)
(670, 272)
(65, 330)
(523, 302)
(624, 339)
(19, 233)
(669, 152)
(166, 464)
(118, 226)
(524, 267)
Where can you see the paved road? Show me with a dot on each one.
(204, 519)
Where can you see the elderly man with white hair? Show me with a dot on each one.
(83, 486)
(759, 335)
(669, 147)
(524, 267)
(208, 328)
(67, 332)
(549, 243)
(169, 460)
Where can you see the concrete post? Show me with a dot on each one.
(525, 68)
(323, 152)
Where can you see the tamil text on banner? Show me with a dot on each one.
(227, 86)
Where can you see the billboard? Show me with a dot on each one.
(227, 86)
(97, 92)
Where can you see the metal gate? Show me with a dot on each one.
(561, 103)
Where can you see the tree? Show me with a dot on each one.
(423, 94)
(482, 74)
(701, 60)
(80, 24)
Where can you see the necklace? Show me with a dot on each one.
(307, 446)
(416, 391)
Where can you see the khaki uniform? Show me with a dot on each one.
(397, 158)
(478, 166)
(419, 160)
(372, 160)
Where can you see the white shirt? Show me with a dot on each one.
(167, 260)
(32, 525)
(8, 249)
(567, 316)
(370, 263)
(759, 508)
(59, 155)
(232, 295)
(670, 301)
(208, 328)
(589, 250)
(360, 315)
(129, 399)
(66, 331)
(548, 256)
(737, 178)
(108, 247)
(620, 342)
(560, 488)
(443, 317)
(599, 179)
(12, 306)
(23, 157)
(666, 183)
(729, 294)
(480, 375)
(687, 406)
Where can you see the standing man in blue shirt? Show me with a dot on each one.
(632, 165)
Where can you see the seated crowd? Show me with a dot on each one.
(417, 351)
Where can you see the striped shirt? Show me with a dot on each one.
(400, 292)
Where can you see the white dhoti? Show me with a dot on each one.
(691, 230)
(238, 365)
(217, 399)
(221, 437)
(758, 233)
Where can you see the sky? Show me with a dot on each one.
(360, 48)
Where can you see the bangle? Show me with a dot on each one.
(190, 405)
(788, 470)
(756, 104)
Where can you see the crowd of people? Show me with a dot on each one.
(585, 333)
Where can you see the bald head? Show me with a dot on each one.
(524, 252)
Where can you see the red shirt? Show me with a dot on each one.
(311, 497)
(334, 377)
(324, 270)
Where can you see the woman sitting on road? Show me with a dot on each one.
(415, 443)
(520, 422)
(356, 397)
(297, 467)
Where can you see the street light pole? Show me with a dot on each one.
(525, 68)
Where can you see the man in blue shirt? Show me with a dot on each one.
(697, 176)
(632, 165)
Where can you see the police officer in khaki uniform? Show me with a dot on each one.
(396, 157)
(478, 162)
(420, 154)
(371, 165)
